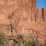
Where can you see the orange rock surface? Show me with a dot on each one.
(31, 18)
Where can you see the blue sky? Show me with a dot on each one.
(41, 4)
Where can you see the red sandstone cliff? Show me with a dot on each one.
(31, 17)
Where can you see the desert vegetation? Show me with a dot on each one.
(19, 40)
(4, 42)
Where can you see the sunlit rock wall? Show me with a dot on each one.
(31, 18)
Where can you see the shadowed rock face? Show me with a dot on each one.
(45, 14)
(31, 17)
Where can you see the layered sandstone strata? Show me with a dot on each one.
(31, 18)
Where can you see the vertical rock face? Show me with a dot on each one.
(30, 11)
(25, 8)
(45, 14)
(31, 17)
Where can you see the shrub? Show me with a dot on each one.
(29, 43)
(44, 43)
(1, 38)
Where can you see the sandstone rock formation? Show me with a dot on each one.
(31, 18)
